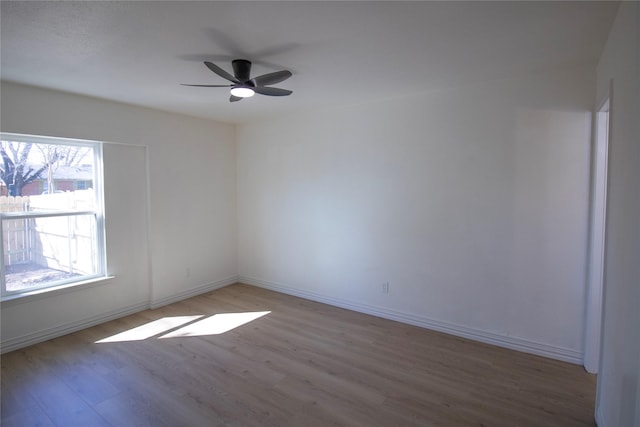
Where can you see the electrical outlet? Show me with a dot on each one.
(385, 288)
(188, 272)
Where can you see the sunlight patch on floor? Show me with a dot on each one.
(150, 329)
(173, 327)
(216, 324)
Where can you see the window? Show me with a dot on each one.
(83, 185)
(51, 237)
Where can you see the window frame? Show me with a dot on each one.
(97, 212)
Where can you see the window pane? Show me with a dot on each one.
(41, 168)
(39, 252)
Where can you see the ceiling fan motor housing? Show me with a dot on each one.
(242, 70)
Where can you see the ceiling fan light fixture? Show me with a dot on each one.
(242, 92)
(242, 86)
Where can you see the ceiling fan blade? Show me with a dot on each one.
(271, 78)
(271, 91)
(234, 98)
(184, 84)
(219, 71)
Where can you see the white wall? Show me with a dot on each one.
(618, 401)
(472, 203)
(170, 190)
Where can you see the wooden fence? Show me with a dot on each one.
(16, 236)
(14, 204)
(64, 243)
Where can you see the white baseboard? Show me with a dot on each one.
(598, 418)
(58, 331)
(519, 344)
(156, 303)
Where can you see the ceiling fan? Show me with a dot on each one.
(243, 86)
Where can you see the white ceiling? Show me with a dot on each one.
(339, 52)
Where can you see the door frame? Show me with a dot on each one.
(597, 234)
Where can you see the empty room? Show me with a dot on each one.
(309, 213)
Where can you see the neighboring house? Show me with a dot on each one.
(65, 178)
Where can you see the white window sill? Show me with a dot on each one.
(22, 297)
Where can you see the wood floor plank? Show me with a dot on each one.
(62, 405)
(15, 397)
(33, 417)
(303, 364)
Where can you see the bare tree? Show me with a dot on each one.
(51, 155)
(15, 172)
(73, 156)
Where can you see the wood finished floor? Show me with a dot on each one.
(304, 364)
